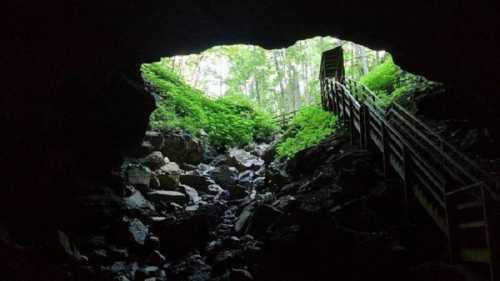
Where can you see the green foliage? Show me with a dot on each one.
(382, 77)
(311, 125)
(229, 121)
(389, 82)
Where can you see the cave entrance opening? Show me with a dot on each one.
(237, 94)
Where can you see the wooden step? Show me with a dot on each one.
(480, 255)
(469, 205)
(472, 224)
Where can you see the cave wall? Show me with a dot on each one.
(70, 101)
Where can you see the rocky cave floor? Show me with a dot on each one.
(178, 211)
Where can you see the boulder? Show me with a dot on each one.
(192, 194)
(237, 191)
(138, 175)
(243, 160)
(95, 209)
(182, 148)
(192, 268)
(144, 149)
(131, 231)
(155, 182)
(258, 150)
(277, 176)
(137, 202)
(244, 218)
(167, 196)
(224, 176)
(246, 178)
(198, 182)
(169, 175)
(307, 160)
(155, 139)
(259, 183)
(154, 160)
(168, 182)
(264, 216)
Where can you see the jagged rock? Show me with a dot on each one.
(155, 182)
(155, 138)
(240, 275)
(65, 248)
(138, 175)
(244, 217)
(169, 175)
(137, 202)
(200, 183)
(285, 202)
(193, 268)
(167, 196)
(277, 176)
(246, 178)
(258, 150)
(99, 256)
(118, 253)
(156, 258)
(182, 148)
(259, 183)
(153, 242)
(224, 259)
(144, 149)
(154, 160)
(138, 231)
(95, 209)
(215, 189)
(168, 182)
(192, 231)
(204, 169)
(121, 278)
(145, 273)
(194, 198)
(224, 176)
(307, 160)
(264, 216)
(131, 231)
(237, 191)
(243, 160)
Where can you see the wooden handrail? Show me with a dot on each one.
(490, 183)
(429, 165)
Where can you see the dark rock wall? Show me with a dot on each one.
(69, 105)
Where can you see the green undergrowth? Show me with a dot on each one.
(311, 125)
(388, 81)
(229, 121)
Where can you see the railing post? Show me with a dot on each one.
(407, 181)
(491, 229)
(451, 225)
(351, 120)
(386, 150)
(363, 126)
(367, 118)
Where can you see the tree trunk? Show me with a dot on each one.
(362, 58)
(197, 72)
(257, 93)
(298, 101)
(281, 78)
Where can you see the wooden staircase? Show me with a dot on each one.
(462, 199)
